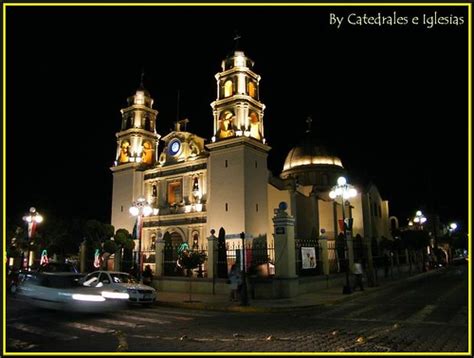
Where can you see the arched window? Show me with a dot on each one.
(228, 88)
(225, 124)
(124, 152)
(195, 240)
(252, 89)
(147, 153)
(254, 125)
(147, 123)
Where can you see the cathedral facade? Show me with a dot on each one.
(195, 185)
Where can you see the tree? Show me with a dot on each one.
(190, 259)
(96, 233)
(123, 239)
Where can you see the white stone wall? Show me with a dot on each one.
(127, 187)
(241, 185)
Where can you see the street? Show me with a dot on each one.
(427, 313)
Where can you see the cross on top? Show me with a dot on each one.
(237, 37)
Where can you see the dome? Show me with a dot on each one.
(312, 163)
(300, 156)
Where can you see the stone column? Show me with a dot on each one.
(212, 255)
(159, 257)
(286, 280)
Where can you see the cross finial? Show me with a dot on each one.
(141, 78)
(237, 37)
(309, 120)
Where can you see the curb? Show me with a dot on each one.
(250, 308)
(197, 305)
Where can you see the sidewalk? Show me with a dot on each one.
(328, 296)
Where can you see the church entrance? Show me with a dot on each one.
(172, 242)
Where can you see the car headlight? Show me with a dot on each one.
(90, 298)
(117, 295)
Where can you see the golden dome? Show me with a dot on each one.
(307, 157)
(312, 163)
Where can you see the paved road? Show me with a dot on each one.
(427, 314)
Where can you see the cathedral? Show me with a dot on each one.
(221, 183)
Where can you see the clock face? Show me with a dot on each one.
(175, 146)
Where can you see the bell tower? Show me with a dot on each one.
(137, 147)
(137, 140)
(238, 173)
(237, 109)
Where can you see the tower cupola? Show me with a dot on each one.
(137, 141)
(237, 109)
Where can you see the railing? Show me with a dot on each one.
(171, 265)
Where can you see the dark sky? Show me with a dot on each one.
(392, 100)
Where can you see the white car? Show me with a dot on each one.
(63, 291)
(121, 282)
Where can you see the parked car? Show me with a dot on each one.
(63, 291)
(121, 282)
(58, 267)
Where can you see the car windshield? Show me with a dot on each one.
(54, 281)
(122, 278)
(58, 267)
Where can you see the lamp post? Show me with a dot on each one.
(451, 227)
(419, 219)
(344, 191)
(32, 219)
(140, 208)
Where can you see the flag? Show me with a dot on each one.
(341, 224)
(31, 229)
(44, 258)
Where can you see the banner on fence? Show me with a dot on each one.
(308, 257)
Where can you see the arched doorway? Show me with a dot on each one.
(172, 241)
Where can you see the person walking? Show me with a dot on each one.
(235, 280)
(358, 272)
(147, 275)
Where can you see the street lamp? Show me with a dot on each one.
(140, 208)
(419, 219)
(345, 191)
(32, 219)
(452, 227)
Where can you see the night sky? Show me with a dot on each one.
(391, 100)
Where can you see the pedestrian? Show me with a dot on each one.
(147, 275)
(235, 281)
(358, 273)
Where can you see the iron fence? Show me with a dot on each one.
(259, 258)
(172, 267)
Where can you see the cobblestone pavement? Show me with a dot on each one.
(424, 315)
